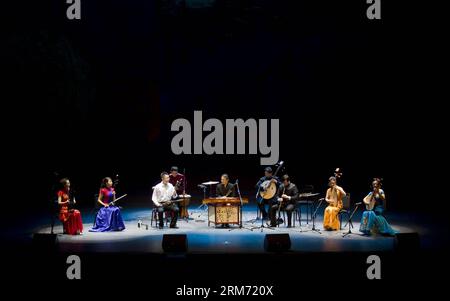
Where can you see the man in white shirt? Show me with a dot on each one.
(163, 193)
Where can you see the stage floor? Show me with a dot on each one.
(210, 240)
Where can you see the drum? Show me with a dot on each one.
(184, 204)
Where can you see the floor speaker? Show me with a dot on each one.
(277, 242)
(174, 243)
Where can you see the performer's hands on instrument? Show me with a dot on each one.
(165, 203)
(280, 199)
(284, 196)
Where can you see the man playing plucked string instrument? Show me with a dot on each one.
(163, 193)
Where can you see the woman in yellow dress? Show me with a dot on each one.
(334, 199)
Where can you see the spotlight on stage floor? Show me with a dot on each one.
(277, 242)
(44, 242)
(407, 242)
(174, 243)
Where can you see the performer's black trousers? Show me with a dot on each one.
(262, 205)
(273, 213)
(170, 208)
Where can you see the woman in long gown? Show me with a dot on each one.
(373, 220)
(334, 199)
(108, 217)
(71, 218)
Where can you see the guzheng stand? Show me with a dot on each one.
(224, 210)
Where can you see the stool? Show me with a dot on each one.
(155, 217)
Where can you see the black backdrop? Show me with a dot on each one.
(96, 97)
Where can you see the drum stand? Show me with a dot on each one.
(184, 218)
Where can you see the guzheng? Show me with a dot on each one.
(224, 200)
(225, 210)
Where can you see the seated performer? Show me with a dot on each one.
(287, 196)
(225, 189)
(334, 199)
(71, 218)
(162, 199)
(372, 220)
(261, 202)
(178, 181)
(108, 217)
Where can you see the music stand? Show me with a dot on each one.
(204, 197)
(202, 207)
(349, 222)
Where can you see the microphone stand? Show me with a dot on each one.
(115, 185)
(257, 218)
(242, 204)
(314, 217)
(262, 221)
(54, 206)
(240, 208)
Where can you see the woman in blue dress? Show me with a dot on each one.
(108, 217)
(372, 220)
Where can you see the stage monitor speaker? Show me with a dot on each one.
(407, 242)
(277, 242)
(174, 243)
(44, 242)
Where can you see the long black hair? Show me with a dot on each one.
(63, 182)
(105, 181)
(378, 181)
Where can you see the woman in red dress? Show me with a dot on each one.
(71, 218)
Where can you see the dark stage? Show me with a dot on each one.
(217, 87)
(248, 239)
